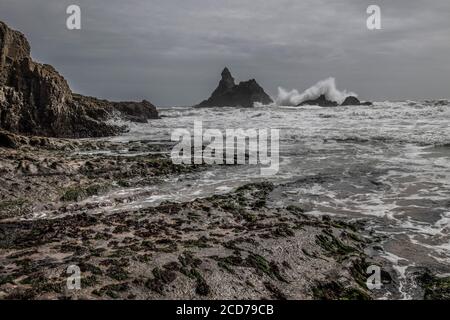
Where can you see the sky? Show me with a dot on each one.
(172, 52)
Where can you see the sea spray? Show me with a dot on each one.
(325, 87)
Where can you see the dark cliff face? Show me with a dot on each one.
(36, 100)
(245, 94)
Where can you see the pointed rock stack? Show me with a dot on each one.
(245, 94)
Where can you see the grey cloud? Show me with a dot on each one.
(171, 52)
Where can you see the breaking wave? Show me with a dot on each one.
(325, 87)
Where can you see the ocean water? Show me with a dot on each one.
(388, 164)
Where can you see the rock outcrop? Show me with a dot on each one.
(244, 94)
(353, 101)
(322, 101)
(36, 100)
(127, 110)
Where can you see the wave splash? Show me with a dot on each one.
(325, 87)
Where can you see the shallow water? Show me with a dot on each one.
(388, 163)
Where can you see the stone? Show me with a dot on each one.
(351, 101)
(8, 140)
(244, 94)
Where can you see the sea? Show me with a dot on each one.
(387, 165)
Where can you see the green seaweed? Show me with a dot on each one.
(334, 290)
(435, 288)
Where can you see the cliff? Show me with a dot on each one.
(36, 100)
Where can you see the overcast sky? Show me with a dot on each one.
(172, 52)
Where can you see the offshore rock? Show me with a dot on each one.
(244, 94)
(321, 101)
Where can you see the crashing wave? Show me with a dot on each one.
(325, 87)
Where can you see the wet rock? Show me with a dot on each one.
(244, 94)
(353, 101)
(129, 110)
(321, 101)
(137, 111)
(334, 290)
(8, 140)
(160, 280)
(435, 288)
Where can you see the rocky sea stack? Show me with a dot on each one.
(36, 100)
(244, 94)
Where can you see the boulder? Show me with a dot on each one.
(8, 140)
(353, 101)
(244, 94)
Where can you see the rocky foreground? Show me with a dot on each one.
(231, 246)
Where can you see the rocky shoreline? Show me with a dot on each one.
(229, 246)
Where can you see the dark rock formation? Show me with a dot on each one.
(245, 94)
(131, 111)
(353, 101)
(136, 111)
(8, 140)
(321, 101)
(36, 100)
